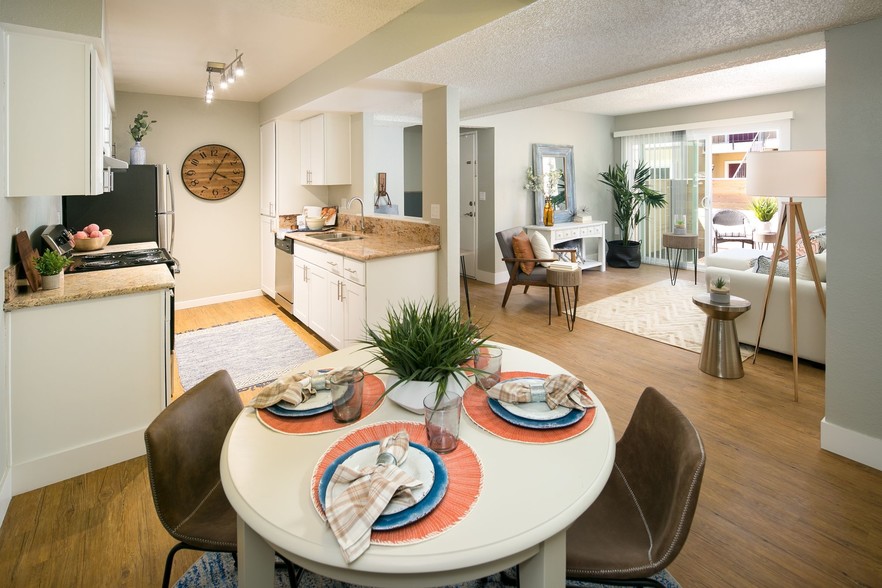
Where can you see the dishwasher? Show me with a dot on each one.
(285, 274)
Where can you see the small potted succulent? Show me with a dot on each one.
(719, 289)
(51, 267)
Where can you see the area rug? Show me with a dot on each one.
(659, 311)
(255, 352)
(218, 570)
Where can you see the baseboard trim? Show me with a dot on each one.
(79, 460)
(217, 299)
(5, 494)
(851, 444)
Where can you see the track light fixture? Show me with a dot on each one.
(227, 74)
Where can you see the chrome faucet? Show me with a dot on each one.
(349, 205)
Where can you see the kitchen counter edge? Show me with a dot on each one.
(371, 247)
(92, 285)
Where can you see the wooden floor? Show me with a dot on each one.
(775, 510)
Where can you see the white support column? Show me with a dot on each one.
(441, 182)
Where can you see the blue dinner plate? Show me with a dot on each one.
(574, 416)
(410, 514)
(286, 412)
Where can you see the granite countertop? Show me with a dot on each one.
(373, 246)
(91, 285)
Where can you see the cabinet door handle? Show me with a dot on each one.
(305, 274)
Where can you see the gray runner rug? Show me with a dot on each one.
(218, 570)
(255, 352)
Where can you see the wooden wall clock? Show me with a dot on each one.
(213, 172)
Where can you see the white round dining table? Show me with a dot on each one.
(531, 493)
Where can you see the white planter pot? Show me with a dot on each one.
(409, 395)
(53, 282)
(719, 296)
(137, 154)
(765, 227)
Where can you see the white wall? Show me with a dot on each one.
(216, 242)
(515, 132)
(853, 422)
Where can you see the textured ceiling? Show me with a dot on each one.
(581, 54)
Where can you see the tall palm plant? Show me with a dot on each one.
(633, 200)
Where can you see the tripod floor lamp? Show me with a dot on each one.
(792, 174)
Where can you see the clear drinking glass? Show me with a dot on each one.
(489, 361)
(347, 388)
(442, 421)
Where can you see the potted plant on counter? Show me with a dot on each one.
(51, 266)
(632, 202)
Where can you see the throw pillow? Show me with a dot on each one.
(804, 272)
(523, 250)
(763, 265)
(541, 248)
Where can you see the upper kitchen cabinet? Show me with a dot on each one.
(325, 157)
(278, 168)
(57, 109)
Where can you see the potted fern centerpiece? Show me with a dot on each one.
(51, 267)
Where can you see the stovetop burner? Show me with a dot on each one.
(118, 259)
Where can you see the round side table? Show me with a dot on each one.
(566, 280)
(680, 242)
(720, 352)
(763, 239)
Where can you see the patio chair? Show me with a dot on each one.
(732, 225)
(517, 276)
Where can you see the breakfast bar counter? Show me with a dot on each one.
(370, 246)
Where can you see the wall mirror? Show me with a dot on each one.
(550, 157)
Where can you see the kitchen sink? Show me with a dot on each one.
(335, 237)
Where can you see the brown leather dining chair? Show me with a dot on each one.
(516, 274)
(183, 460)
(641, 519)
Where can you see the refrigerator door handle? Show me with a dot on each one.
(171, 211)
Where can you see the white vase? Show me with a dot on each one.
(53, 282)
(137, 154)
(409, 395)
(765, 227)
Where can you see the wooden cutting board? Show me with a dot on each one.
(27, 254)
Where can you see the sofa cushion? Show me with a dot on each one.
(735, 259)
(804, 272)
(541, 248)
(763, 265)
(523, 250)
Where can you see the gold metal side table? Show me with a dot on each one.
(679, 242)
(566, 280)
(720, 352)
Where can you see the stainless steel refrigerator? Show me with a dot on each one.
(140, 208)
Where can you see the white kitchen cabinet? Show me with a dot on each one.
(55, 105)
(325, 157)
(335, 296)
(278, 182)
(83, 402)
(268, 255)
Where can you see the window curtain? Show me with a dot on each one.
(667, 154)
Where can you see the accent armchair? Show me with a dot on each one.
(732, 225)
(516, 274)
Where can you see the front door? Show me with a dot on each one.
(468, 201)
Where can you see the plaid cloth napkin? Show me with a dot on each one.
(557, 390)
(352, 513)
(294, 387)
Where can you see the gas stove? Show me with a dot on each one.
(91, 262)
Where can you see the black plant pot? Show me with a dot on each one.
(622, 254)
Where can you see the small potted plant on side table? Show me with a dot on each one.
(719, 290)
(764, 209)
(51, 266)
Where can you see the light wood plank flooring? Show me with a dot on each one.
(775, 510)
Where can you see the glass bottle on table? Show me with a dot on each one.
(548, 213)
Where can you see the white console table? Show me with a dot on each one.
(561, 232)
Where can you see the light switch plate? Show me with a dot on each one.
(436, 211)
(482, 195)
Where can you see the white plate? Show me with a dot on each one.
(417, 464)
(535, 411)
(318, 400)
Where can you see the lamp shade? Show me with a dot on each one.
(800, 174)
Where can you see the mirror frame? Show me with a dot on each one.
(541, 150)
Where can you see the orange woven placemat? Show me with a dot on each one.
(476, 406)
(371, 401)
(466, 478)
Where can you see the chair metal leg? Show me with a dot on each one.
(608, 582)
(169, 560)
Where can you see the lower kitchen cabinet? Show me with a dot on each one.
(336, 296)
(86, 378)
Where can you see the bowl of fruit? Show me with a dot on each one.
(92, 238)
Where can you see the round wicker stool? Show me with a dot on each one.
(566, 281)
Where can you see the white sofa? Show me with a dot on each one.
(745, 283)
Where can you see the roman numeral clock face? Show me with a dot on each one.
(213, 172)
